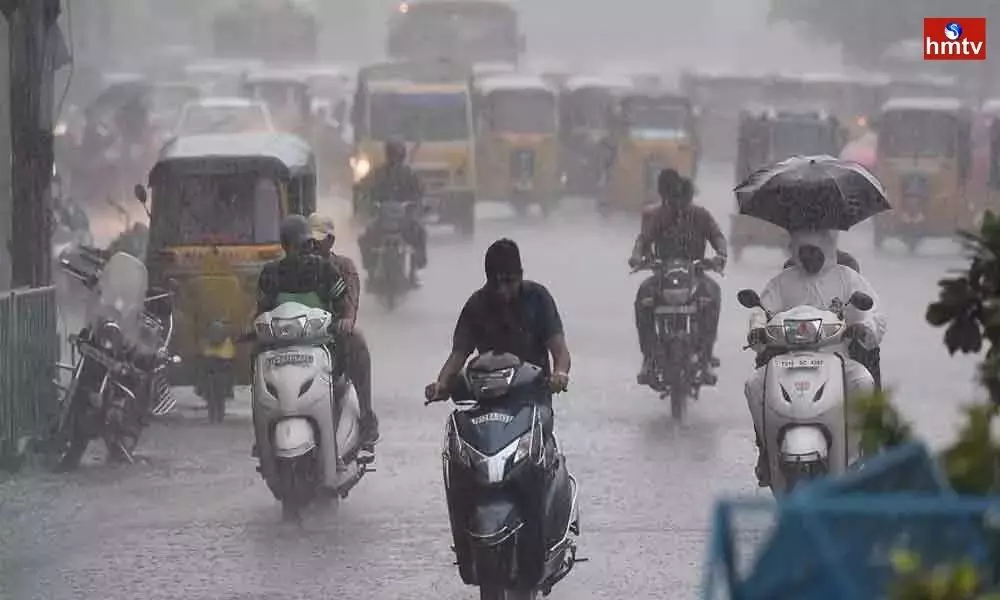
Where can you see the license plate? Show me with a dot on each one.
(681, 309)
(290, 358)
(800, 363)
(913, 218)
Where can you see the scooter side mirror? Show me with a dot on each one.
(140, 193)
(748, 298)
(861, 301)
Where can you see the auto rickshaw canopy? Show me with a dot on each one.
(280, 155)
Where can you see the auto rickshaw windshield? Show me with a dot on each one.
(918, 133)
(656, 120)
(216, 209)
(522, 111)
(426, 117)
(789, 138)
(589, 109)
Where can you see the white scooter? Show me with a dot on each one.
(307, 425)
(806, 427)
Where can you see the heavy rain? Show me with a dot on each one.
(240, 238)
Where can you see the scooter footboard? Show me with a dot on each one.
(493, 521)
(293, 437)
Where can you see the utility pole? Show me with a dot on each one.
(31, 73)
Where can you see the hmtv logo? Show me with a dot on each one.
(955, 38)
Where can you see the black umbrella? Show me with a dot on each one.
(812, 192)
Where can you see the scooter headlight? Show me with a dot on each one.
(803, 332)
(298, 327)
(530, 445)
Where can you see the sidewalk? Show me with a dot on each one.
(190, 406)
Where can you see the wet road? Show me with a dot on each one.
(195, 522)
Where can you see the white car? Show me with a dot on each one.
(223, 115)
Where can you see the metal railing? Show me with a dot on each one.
(29, 350)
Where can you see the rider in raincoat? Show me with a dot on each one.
(815, 279)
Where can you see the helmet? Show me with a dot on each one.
(395, 152)
(295, 233)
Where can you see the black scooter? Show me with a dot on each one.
(511, 500)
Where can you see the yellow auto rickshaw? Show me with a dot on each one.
(924, 159)
(853, 99)
(287, 96)
(216, 207)
(585, 108)
(650, 130)
(429, 106)
(518, 141)
(768, 135)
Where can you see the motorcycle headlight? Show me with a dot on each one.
(60, 129)
(360, 166)
(803, 332)
(676, 296)
(109, 338)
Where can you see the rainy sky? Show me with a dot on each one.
(668, 34)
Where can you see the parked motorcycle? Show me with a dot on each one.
(677, 370)
(306, 415)
(390, 279)
(511, 500)
(119, 358)
(806, 425)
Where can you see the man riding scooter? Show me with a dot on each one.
(678, 229)
(302, 275)
(395, 182)
(358, 360)
(815, 279)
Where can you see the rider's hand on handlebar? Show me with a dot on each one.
(634, 262)
(558, 382)
(435, 391)
(344, 326)
(720, 261)
(757, 337)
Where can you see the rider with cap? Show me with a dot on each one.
(357, 358)
(678, 229)
(508, 314)
(394, 181)
(302, 275)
